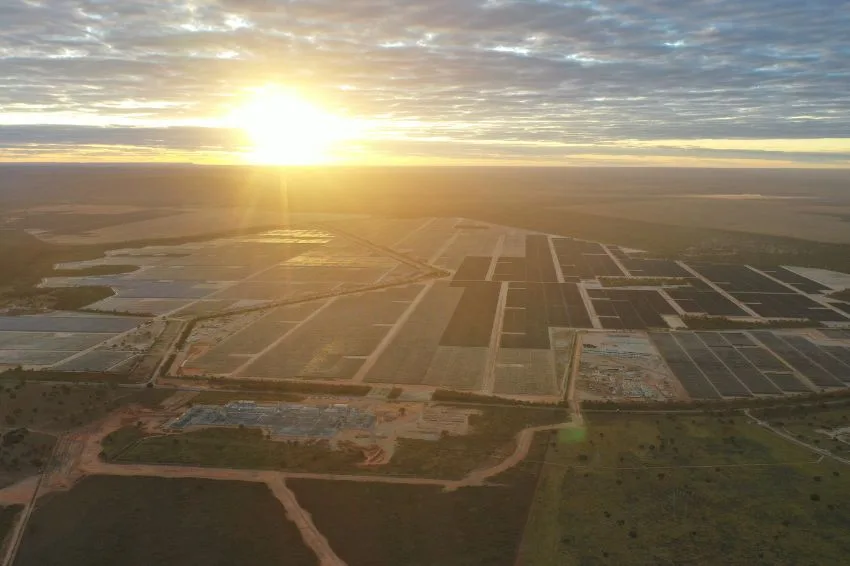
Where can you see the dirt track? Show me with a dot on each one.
(79, 456)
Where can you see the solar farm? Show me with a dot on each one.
(449, 303)
(278, 421)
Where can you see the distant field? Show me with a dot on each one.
(795, 218)
(680, 489)
(106, 521)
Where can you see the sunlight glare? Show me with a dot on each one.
(285, 129)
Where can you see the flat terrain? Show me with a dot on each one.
(107, 520)
(410, 525)
(8, 514)
(686, 490)
(22, 454)
(491, 440)
(759, 214)
(54, 408)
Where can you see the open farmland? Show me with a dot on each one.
(685, 489)
(423, 525)
(144, 520)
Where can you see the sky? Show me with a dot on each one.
(731, 83)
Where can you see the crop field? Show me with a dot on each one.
(679, 489)
(423, 525)
(142, 520)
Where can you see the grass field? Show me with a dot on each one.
(451, 457)
(60, 407)
(404, 525)
(491, 440)
(238, 448)
(106, 521)
(7, 521)
(119, 440)
(686, 490)
(813, 425)
(23, 453)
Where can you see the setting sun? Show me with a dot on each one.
(285, 129)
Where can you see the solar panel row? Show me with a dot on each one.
(798, 281)
(773, 305)
(734, 371)
(691, 378)
(584, 260)
(653, 267)
(535, 307)
(815, 373)
(739, 278)
(631, 309)
(473, 268)
(812, 351)
(716, 372)
(746, 372)
(704, 302)
(472, 321)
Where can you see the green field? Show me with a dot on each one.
(450, 457)
(407, 525)
(812, 424)
(107, 521)
(239, 448)
(119, 440)
(23, 453)
(686, 490)
(60, 407)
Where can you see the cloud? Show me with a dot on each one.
(511, 76)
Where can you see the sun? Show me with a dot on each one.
(285, 129)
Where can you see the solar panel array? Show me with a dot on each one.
(733, 364)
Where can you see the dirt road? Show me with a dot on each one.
(79, 456)
(302, 519)
(523, 445)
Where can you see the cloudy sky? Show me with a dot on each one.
(621, 82)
